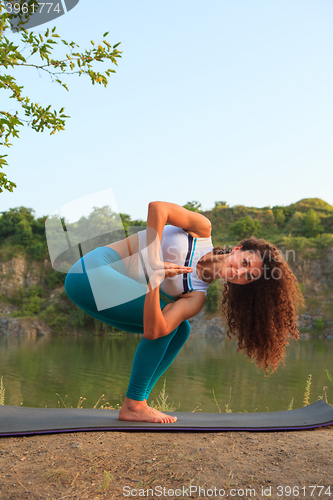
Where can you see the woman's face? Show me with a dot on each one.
(242, 267)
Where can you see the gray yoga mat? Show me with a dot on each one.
(21, 421)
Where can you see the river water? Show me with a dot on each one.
(35, 371)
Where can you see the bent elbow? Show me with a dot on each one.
(153, 204)
(208, 224)
(151, 334)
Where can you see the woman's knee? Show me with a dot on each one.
(184, 328)
(151, 335)
(78, 290)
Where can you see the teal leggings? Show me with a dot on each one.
(100, 278)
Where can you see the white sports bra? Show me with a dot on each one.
(178, 247)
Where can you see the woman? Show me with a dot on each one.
(127, 285)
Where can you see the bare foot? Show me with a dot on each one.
(139, 411)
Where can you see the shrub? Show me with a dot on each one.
(53, 317)
(31, 304)
(245, 227)
(53, 278)
(38, 250)
(319, 324)
(214, 295)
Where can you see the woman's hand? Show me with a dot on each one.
(168, 270)
(161, 213)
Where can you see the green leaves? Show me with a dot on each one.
(40, 47)
(245, 227)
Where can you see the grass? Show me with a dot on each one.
(291, 405)
(57, 475)
(103, 406)
(161, 401)
(306, 397)
(163, 405)
(2, 392)
(106, 481)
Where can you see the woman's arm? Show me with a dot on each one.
(161, 213)
(158, 323)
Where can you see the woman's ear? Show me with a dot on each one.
(235, 249)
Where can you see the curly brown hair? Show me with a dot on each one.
(261, 314)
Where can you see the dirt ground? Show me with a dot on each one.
(95, 465)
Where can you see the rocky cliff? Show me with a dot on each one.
(19, 276)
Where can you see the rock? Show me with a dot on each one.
(315, 273)
(24, 327)
(12, 276)
(312, 268)
(213, 327)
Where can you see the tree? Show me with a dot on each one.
(194, 206)
(16, 220)
(74, 61)
(245, 227)
(131, 226)
(312, 223)
(214, 295)
(279, 215)
(220, 204)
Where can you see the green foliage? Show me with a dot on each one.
(38, 249)
(78, 317)
(328, 224)
(104, 328)
(23, 233)
(194, 206)
(279, 225)
(291, 405)
(295, 224)
(245, 227)
(307, 203)
(31, 304)
(219, 204)
(214, 295)
(40, 49)
(306, 400)
(329, 377)
(54, 279)
(126, 220)
(2, 392)
(323, 240)
(279, 216)
(101, 227)
(128, 224)
(106, 481)
(17, 222)
(161, 401)
(283, 213)
(295, 242)
(312, 223)
(54, 317)
(26, 233)
(319, 324)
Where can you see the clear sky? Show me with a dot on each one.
(212, 101)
